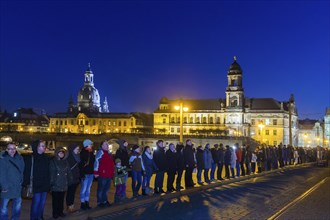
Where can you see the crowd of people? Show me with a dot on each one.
(62, 174)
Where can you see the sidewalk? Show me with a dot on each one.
(141, 200)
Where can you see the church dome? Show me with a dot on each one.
(88, 96)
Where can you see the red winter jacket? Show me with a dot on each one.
(104, 165)
(239, 155)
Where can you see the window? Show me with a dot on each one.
(72, 122)
(274, 132)
(125, 124)
(197, 120)
(218, 120)
(267, 121)
(94, 122)
(275, 143)
(61, 122)
(56, 122)
(211, 120)
(274, 121)
(109, 123)
(172, 130)
(86, 122)
(191, 120)
(185, 120)
(114, 123)
(204, 120)
(119, 123)
(267, 132)
(178, 130)
(253, 122)
(164, 120)
(65, 122)
(172, 120)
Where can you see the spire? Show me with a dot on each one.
(89, 67)
(105, 105)
(235, 58)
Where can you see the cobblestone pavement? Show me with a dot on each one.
(254, 198)
(225, 199)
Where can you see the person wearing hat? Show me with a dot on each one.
(104, 169)
(86, 166)
(59, 173)
(120, 174)
(137, 169)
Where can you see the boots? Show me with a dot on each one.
(87, 205)
(144, 192)
(83, 206)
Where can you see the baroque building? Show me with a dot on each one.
(89, 117)
(310, 133)
(265, 119)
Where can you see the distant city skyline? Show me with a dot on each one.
(141, 51)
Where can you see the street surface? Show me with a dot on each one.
(259, 197)
(256, 198)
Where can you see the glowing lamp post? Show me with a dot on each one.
(261, 126)
(181, 108)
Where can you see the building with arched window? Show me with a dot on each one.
(265, 119)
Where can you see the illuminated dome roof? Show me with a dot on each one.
(88, 96)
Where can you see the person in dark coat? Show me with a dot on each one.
(59, 171)
(122, 153)
(242, 163)
(171, 160)
(190, 163)
(86, 167)
(248, 158)
(180, 165)
(41, 178)
(221, 162)
(149, 166)
(11, 178)
(73, 160)
(160, 161)
(200, 164)
(215, 156)
(227, 159)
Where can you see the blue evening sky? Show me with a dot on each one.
(141, 51)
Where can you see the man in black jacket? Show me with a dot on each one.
(190, 163)
(160, 161)
(172, 167)
(180, 165)
(41, 178)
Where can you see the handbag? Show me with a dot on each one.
(27, 191)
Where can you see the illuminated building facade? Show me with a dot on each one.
(89, 117)
(310, 133)
(24, 120)
(264, 119)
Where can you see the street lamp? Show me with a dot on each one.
(181, 108)
(261, 126)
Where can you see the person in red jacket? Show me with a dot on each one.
(104, 169)
(238, 160)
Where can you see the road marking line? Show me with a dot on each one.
(294, 202)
